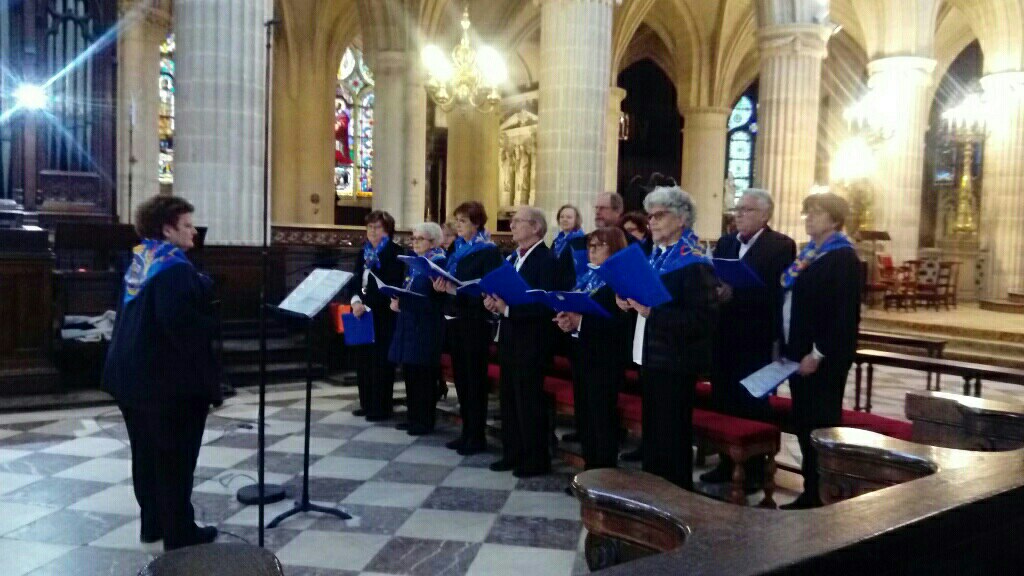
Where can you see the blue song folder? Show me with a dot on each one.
(631, 276)
(736, 273)
(507, 284)
(358, 331)
(423, 265)
(394, 291)
(579, 302)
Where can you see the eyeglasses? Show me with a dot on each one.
(420, 239)
(812, 212)
(658, 215)
(746, 210)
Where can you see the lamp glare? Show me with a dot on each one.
(31, 97)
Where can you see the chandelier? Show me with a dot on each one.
(872, 117)
(469, 79)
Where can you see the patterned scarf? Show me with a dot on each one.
(435, 255)
(463, 248)
(810, 254)
(686, 251)
(590, 282)
(563, 239)
(371, 255)
(149, 259)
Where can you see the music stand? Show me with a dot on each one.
(304, 304)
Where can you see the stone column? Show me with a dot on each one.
(1002, 200)
(788, 102)
(473, 161)
(391, 135)
(415, 190)
(219, 144)
(575, 57)
(611, 167)
(703, 174)
(139, 55)
(904, 82)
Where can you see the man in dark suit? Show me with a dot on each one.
(748, 316)
(524, 352)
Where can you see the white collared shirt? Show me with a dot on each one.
(744, 248)
(641, 323)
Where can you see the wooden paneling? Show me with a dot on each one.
(25, 322)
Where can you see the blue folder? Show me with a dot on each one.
(471, 288)
(630, 275)
(579, 302)
(736, 273)
(358, 331)
(424, 266)
(396, 292)
(507, 284)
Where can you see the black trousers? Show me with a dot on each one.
(817, 403)
(165, 442)
(472, 340)
(668, 425)
(524, 418)
(375, 377)
(596, 398)
(421, 395)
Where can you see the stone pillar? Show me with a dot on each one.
(473, 161)
(703, 174)
(575, 59)
(898, 179)
(392, 174)
(415, 190)
(1002, 200)
(611, 167)
(139, 55)
(788, 102)
(219, 144)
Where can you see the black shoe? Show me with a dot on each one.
(501, 466)
(803, 502)
(569, 492)
(201, 535)
(377, 417)
(571, 437)
(359, 412)
(442, 390)
(633, 455)
(454, 444)
(531, 472)
(149, 538)
(402, 426)
(470, 448)
(721, 473)
(418, 431)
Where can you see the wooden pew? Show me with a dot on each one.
(971, 372)
(933, 347)
(965, 422)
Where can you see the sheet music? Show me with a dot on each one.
(310, 297)
(763, 381)
(393, 291)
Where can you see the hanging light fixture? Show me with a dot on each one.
(469, 79)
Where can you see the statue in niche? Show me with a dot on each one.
(523, 164)
(506, 174)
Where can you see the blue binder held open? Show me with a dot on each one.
(578, 302)
(631, 276)
(507, 284)
(358, 331)
(736, 273)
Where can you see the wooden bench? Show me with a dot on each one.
(965, 422)
(972, 373)
(933, 347)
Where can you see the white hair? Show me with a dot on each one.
(764, 197)
(673, 199)
(430, 230)
(538, 219)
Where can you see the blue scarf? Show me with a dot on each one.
(563, 239)
(590, 282)
(810, 254)
(435, 255)
(371, 255)
(686, 251)
(149, 259)
(463, 248)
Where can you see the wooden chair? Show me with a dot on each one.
(928, 283)
(902, 293)
(949, 279)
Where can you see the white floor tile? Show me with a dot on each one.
(393, 494)
(77, 427)
(323, 404)
(5, 433)
(448, 525)
(222, 456)
(501, 560)
(542, 504)
(114, 500)
(22, 557)
(480, 478)
(6, 454)
(127, 538)
(347, 468)
(11, 482)
(110, 470)
(317, 446)
(245, 412)
(230, 481)
(346, 418)
(430, 455)
(14, 515)
(249, 516)
(332, 550)
(89, 446)
(385, 435)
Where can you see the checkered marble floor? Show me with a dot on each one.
(67, 507)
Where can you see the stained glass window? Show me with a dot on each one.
(165, 127)
(353, 127)
(742, 137)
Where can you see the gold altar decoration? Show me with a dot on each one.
(470, 79)
(967, 121)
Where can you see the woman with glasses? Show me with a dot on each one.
(820, 318)
(672, 342)
(379, 257)
(599, 347)
(419, 333)
(474, 256)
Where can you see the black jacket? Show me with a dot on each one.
(680, 334)
(524, 337)
(471, 267)
(602, 341)
(392, 272)
(825, 311)
(747, 323)
(566, 275)
(162, 345)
